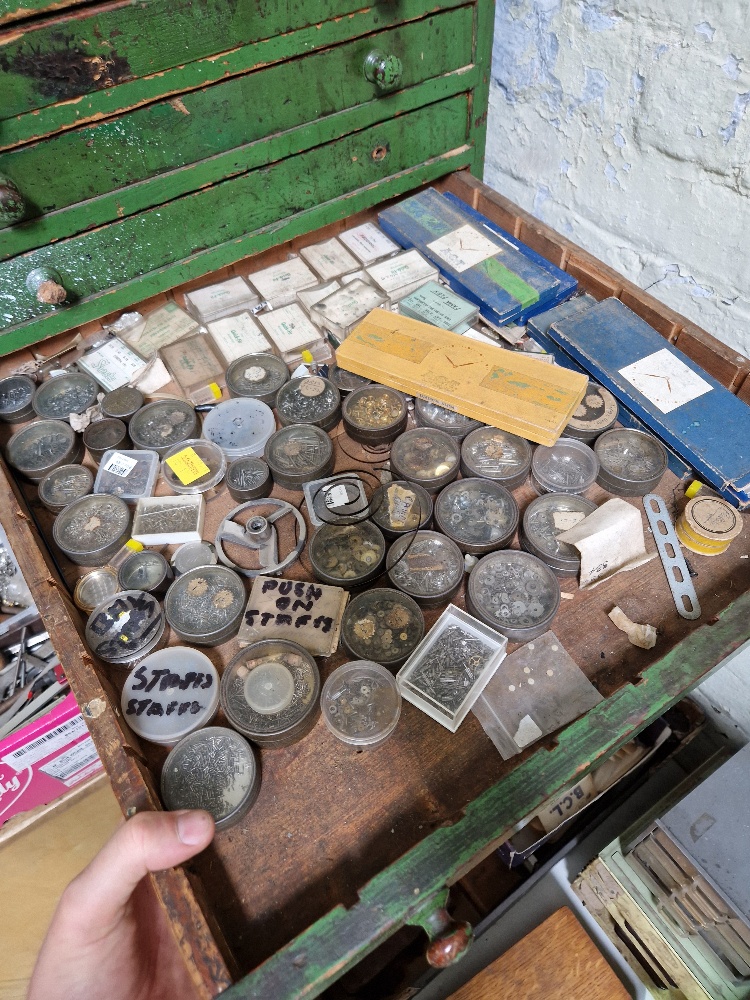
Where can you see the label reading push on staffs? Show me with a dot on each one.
(188, 466)
(120, 465)
(306, 613)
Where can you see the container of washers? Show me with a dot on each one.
(514, 593)
(478, 514)
(361, 704)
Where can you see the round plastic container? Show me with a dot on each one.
(400, 507)
(427, 566)
(210, 455)
(631, 463)
(382, 625)
(478, 514)
(427, 457)
(105, 435)
(429, 414)
(160, 425)
(566, 467)
(42, 446)
(170, 694)
(270, 691)
(16, 393)
(309, 400)
(147, 571)
(205, 605)
(125, 628)
(374, 415)
(122, 403)
(193, 554)
(345, 381)
(596, 414)
(64, 485)
(707, 525)
(259, 376)
(91, 529)
(490, 453)
(514, 593)
(95, 588)
(361, 704)
(240, 427)
(299, 454)
(62, 395)
(547, 517)
(213, 769)
(249, 479)
(347, 555)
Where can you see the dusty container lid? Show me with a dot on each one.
(64, 485)
(514, 593)
(259, 376)
(338, 499)
(129, 475)
(427, 457)
(213, 769)
(374, 414)
(631, 462)
(478, 514)
(269, 692)
(105, 435)
(347, 555)
(159, 425)
(147, 571)
(596, 413)
(193, 554)
(92, 528)
(205, 605)
(16, 392)
(427, 566)
(544, 519)
(490, 453)
(171, 693)
(428, 414)
(569, 466)
(94, 588)
(346, 381)
(309, 400)
(382, 625)
(707, 525)
(248, 479)
(400, 507)
(62, 395)
(361, 703)
(240, 427)
(123, 403)
(183, 466)
(299, 453)
(125, 627)
(42, 446)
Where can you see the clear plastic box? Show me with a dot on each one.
(169, 520)
(128, 475)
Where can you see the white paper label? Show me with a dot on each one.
(665, 381)
(565, 519)
(337, 496)
(289, 328)
(464, 248)
(368, 243)
(120, 465)
(237, 336)
(68, 763)
(568, 804)
(112, 365)
(41, 747)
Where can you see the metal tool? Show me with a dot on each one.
(668, 545)
(259, 534)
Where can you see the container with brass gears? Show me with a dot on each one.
(259, 376)
(631, 462)
(490, 453)
(427, 457)
(270, 692)
(374, 415)
(309, 400)
(16, 392)
(400, 507)
(544, 519)
(158, 426)
(297, 454)
(202, 471)
(92, 528)
(129, 475)
(479, 515)
(346, 381)
(248, 479)
(147, 571)
(707, 525)
(62, 395)
(42, 446)
(110, 434)
(204, 606)
(64, 485)
(361, 704)
(427, 566)
(428, 414)
(122, 403)
(569, 466)
(513, 592)
(125, 628)
(213, 769)
(94, 588)
(596, 413)
(347, 555)
(382, 625)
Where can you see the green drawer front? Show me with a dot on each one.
(98, 261)
(16, 10)
(99, 48)
(136, 149)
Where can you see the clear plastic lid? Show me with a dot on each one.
(259, 376)
(126, 627)
(630, 460)
(361, 703)
(16, 392)
(299, 453)
(309, 400)
(94, 588)
(169, 694)
(72, 392)
(128, 475)
(491, 453)
(193, 554)
(430, 414)
(145, 570)
(204, 606)
(544, 519)
(193, 466)
(240, 427)
(427, 566)
(425, 456)
(169, 520)
(569, 466)
(92, 528)
(478, 514)
(382, 625)
(42, 446)
(347, 555)
(64, 485)
(160, 425)
(515, 593)
(399, 507)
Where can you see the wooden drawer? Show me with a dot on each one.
(159, 152)
(344, 848)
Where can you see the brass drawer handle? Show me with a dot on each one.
(46, 284)
(383, 70)
(12, 205)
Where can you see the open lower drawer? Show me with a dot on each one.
(343, 848)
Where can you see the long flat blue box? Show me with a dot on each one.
(693, 414)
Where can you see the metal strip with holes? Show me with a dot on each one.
(683, 591)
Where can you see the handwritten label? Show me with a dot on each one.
(188, 466)
(306, 613)
(565, 519)
(400, 503)
(120, 465)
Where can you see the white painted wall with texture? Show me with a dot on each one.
(627, 127)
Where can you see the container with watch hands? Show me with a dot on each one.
(427, 457)
(64, 485)
(122, 403)
(478, 514)
(544, 519)
(400, 507)
(145, 570)
(596, 413)
(270, 692)
(258, 376)
(309, 400)
(42, 446)
(374, 415)
(491, 453)
(569, 466)
(361, 704)
(429, 414)
(16, 393)
(110, 434)
(382, 624)
(58, 397)
(204, 606)
(631, 463)
(91, 529)
(514, 593)
(160, 425)
(427, 566)
(347, 555)
(125, 628)
(298, 454)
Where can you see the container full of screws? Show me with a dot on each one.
(42, 446)
(105, 435)
(129, 475)
(309, 400)
(429, 414)
(62, 395)
(569, 466)
(16, 393)
(544, 519)
(427, 566)
(298, 454)
(122, 403)
(248, 478)
(64, 485)
(631, 462)
(91, 529)
(361, 704)
(205, 605)
(160, 425)
(491, 453)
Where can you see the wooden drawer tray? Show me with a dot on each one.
(344, 848)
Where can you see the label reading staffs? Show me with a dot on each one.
(188, 466)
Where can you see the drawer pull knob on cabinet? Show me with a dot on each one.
(383, 70)
(46, 284)
(12, 205)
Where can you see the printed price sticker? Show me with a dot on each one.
(188, 466)
(120, 465)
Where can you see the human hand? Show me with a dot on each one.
(109, 937)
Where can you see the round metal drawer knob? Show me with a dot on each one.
(383, 70)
